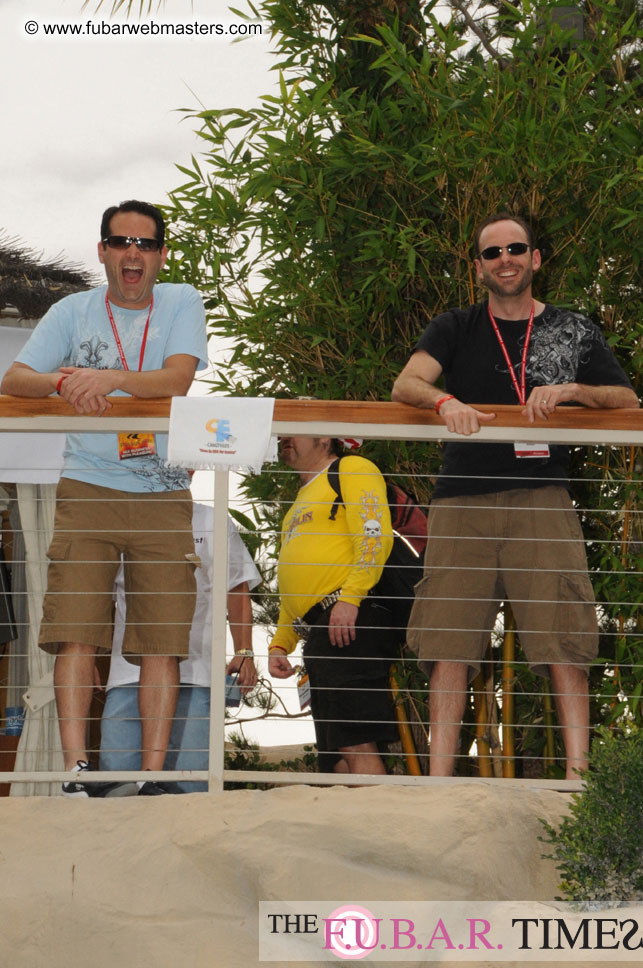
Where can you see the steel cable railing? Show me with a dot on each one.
(490, 718)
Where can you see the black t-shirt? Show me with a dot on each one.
(565, 347)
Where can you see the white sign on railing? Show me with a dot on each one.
(221, 433)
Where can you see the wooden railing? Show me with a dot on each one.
(374, 419)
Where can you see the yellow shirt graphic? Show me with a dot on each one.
(319, 556)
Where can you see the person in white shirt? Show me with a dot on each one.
(189, 740)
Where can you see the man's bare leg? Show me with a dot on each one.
(447, 699)
(73, 685)
(569, 684)
(362, 758)
(157, 697)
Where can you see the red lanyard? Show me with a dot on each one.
(522, 389)
(117, 337)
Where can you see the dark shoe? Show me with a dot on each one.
(152, 789)
(81, 788)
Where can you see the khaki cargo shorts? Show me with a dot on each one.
(521, 546)
(152, 531)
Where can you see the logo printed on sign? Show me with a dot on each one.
(220, 429)
(352, 932)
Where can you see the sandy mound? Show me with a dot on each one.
(170, 881)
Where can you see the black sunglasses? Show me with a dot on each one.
(514, 248)
(124, 242)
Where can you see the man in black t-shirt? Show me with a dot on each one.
(502, 525)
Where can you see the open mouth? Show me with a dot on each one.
(132, 274)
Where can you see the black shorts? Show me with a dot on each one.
(350, 693)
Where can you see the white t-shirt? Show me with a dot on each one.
(195, 670)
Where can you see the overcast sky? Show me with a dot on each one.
(88, 121)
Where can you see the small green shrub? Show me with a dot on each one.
(599, 847)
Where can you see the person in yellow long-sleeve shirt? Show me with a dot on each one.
(328, 564)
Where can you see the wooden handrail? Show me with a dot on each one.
(345, 411)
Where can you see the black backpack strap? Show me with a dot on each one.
(333, 480)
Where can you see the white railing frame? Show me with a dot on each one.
(627, 432)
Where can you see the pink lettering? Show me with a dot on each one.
(443, 936)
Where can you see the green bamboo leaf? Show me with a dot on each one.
(246, 523)
(629, 217)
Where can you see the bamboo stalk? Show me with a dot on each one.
(406, 737)
(482, 718)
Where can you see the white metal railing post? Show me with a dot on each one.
(219, 632)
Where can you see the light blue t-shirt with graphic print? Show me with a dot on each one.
(77, 332)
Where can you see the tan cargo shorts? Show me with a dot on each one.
(521, 546)
(94, 529)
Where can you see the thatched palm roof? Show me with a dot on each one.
(32, 286)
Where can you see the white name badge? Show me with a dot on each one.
(531, 449)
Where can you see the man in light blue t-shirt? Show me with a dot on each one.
(117, 498)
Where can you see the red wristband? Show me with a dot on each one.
(60, 382)
(442, 400)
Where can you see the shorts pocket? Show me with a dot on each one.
(58, 553)
(418, 619)
(576, 621)
(59, 549)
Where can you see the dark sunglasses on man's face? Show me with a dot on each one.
(124, 242)
(514, 248)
